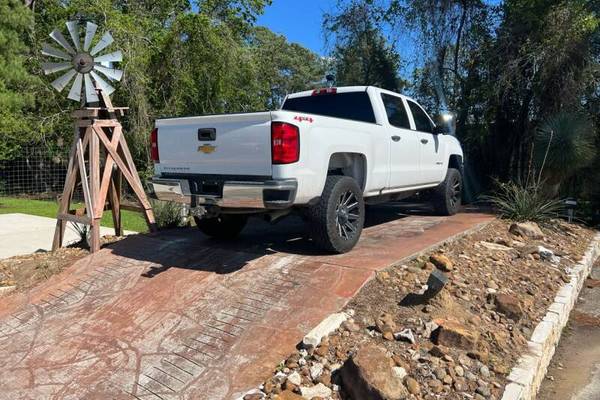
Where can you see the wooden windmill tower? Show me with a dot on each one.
(100, 157)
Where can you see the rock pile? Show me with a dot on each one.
(459, 344)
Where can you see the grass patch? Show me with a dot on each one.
(132, 221)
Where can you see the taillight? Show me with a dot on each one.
(285, 143)
(154, 145)
(321, 91)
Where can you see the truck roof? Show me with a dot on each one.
(339, 89)
(346, 89)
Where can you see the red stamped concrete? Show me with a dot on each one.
(178, 316)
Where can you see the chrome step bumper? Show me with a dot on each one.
(272, 194)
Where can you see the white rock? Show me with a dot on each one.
(405, 335)
(316, 370)
(325, 327)
(319, 390)
(335, 367)
(495, 246)
(484, 371)
(295, 378)
(545, 253)
(429, 328)
(399, 372)
(280, 375)
(253, 391)
(302, 362)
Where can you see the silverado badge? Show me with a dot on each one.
(207, 148)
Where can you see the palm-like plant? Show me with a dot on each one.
(564, 144)
(523, 202)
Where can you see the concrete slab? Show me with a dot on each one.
(179, 316)
(25, 234)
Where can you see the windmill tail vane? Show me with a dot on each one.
(83, 63)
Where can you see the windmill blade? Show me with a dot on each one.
(110, 57)
(102, 84)
(104, 42)
(75, 92)
(50, 68)
(61, 82)
(90, 91)
(48, 50)
(60, 39)
(74, 32)
(90, 31)
(112, 73)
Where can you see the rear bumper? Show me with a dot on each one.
(270, 194)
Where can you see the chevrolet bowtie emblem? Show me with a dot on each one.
(207, 148)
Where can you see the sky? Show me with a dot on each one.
(299, 21)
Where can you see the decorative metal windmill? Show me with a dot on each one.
(98, 133)
(82, 63)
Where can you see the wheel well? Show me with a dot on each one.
(456, 162)
(349, 164)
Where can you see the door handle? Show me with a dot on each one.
(396, 138)
(424, 141)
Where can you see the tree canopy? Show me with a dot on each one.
(180, 58)
(511, 71)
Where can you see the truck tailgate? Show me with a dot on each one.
(232, 144)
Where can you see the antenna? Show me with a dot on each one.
(83, 63)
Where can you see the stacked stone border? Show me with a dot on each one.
(526, 377)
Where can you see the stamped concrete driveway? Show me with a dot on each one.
(179, 316)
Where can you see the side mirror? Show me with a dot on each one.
(445, 124)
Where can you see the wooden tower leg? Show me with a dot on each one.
(142, 198)
(128, 169)
(67, 193)
(114, 199)
(95, 200)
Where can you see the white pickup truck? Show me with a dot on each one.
(324, 154)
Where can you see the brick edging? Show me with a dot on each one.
(526, 377)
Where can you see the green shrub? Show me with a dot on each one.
(168, 214)
(523, 202)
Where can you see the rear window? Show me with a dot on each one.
(352, 105)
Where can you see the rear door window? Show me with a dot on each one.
(422, 121)
(352, 105)
(395, 110)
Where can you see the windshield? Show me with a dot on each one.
(352, 105)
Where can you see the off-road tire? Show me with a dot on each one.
(225, 226)
(447, 197)
(328, 217)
